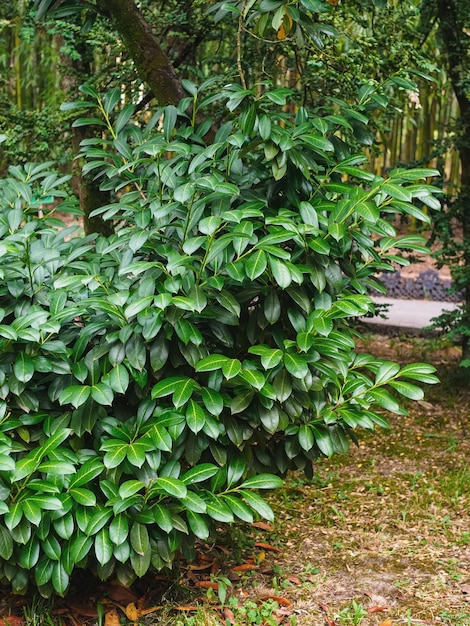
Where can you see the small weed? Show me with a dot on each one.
(251, 613)
(202, 617)
(311, 569)
(456, 484)
(460, 619)
(219, 589)
(464, 539)
(352, 615)
(38, 613)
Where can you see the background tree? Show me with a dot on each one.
(452, 229)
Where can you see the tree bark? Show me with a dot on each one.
(87, 190)
(151, 62)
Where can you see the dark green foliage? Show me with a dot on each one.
(153, 380)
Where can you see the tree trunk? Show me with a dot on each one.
(152, 64)
(86, 189)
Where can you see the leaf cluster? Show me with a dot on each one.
(151, 381)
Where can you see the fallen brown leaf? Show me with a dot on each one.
(200, 567)
(262, 526)
(268, 547)
(388, 622)
(121, 594)
(111, 618)
(207, 584)
(465, 588)
(377, 609)
(229, 616)
(244, 567)
(279, 599)
(12, 620)
(87, 610)
(132, 612)
(295, 580)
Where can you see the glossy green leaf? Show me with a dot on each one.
(98, 520)
(162, 517)
(219, 511)
(212, 363)
(238, 508)
(136, 453)
(116, 455)
(140, 538)
(103, 547)
(87, 472)
(257, 504)
(281, 273)
(306, 438)
(322, 325)
(141, 563)
(119, 529)
(254, 378)
(256, 264)
(24, 367)
(262, 481)
(323, 441)
(130, 487)
(195, 416)
(75, 395)
(182, 385)
(296, 365)
(60, 578)
(386, 372)
(212, 400)
(52, 548)
(171, 486)
(6, 543)
(29, 554)
(199, 473)
(193, 502)
(231, 368)
(102, 394)
(64, 526)
(407, 389)
(197, 525)
(118, 379)
(80, 547)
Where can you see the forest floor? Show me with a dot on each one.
(379, 537)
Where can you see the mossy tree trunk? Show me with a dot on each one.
(86, 189)
(151, 62)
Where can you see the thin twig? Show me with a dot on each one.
(239, 45)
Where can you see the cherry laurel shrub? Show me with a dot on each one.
(151, 382)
